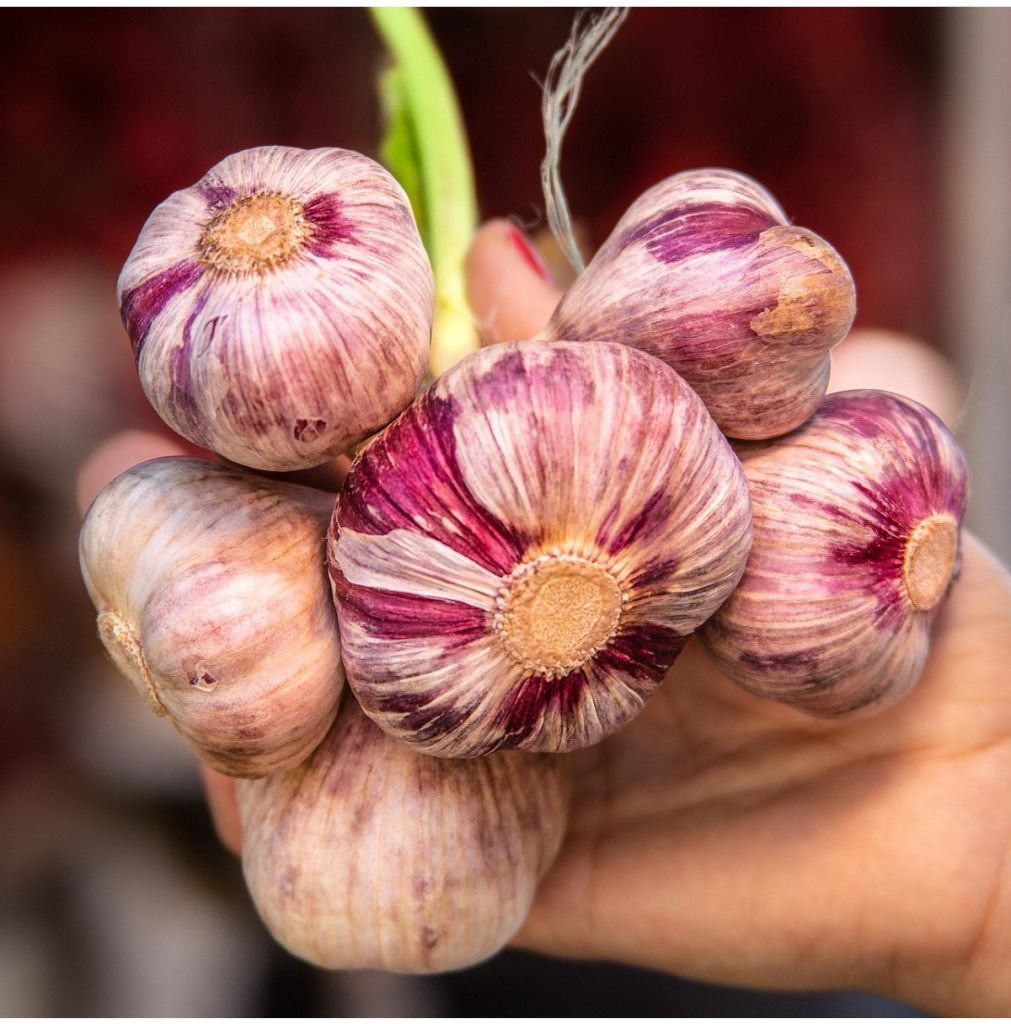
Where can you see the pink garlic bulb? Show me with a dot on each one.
(280, 310)
(856, 525)
(371, 854)
(212, 600)
(520, 557)
(705, 272)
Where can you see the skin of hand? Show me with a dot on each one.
(730, 839)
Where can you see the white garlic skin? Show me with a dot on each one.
(280, 309)
(520, 557)
(212, 600)
(705, 272)
(856, 519)
(371, 854)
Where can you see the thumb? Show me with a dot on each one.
(509, 288)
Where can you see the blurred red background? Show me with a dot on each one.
(105, 112)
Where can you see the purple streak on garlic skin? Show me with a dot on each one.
(216, 195)
(425, 442)
(504, 576)
(330, 227)
(142, 305)
(280, 309)
(856, 519)
(705, 273)
(693, 230)
(371, 854)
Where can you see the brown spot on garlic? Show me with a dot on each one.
(255, 233)
(931, 554)
(556, 612)
(813, 303)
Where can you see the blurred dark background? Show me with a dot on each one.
(115, 898)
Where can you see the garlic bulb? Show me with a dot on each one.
(520, 557)
(856, 520)
(371, 854)
(280, 309)
(213, 601)
(704, 272)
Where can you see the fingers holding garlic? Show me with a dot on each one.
(212, 600)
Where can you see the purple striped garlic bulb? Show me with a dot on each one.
(212, 600)
(280, 309)
(856, 521)
(519, 558)
(705, 272)
(371, 854)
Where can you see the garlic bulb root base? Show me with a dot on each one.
(930, 558)
(555, 612)
(125, 649)
(254, 233)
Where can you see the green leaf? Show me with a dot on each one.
(427, 149)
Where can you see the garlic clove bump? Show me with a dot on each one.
(519, 558)
(371, 854)
(280, 309)
(213, 601)
(856, 543)
(705, 272)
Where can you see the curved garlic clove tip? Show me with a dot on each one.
(374, 855)
(212, 599)
(280, 309)
(705, 273)
(519, 558)
(856, 521)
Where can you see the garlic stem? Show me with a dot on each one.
(444, 173)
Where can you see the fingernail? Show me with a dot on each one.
(530, 255)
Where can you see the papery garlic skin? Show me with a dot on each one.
(705, 272)
(374, 855)
(856, 522)
(520, 557)
(213, 601)
(280, 309)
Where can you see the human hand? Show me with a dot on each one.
(731, 839)
(726, 838)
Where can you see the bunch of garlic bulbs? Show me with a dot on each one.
(517, 555)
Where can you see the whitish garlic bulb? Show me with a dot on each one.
(705, 272)
(280, 310)
(213, 601)
(856, 520)
(374, 855)
(520, 557)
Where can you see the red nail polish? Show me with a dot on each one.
(530, 255)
